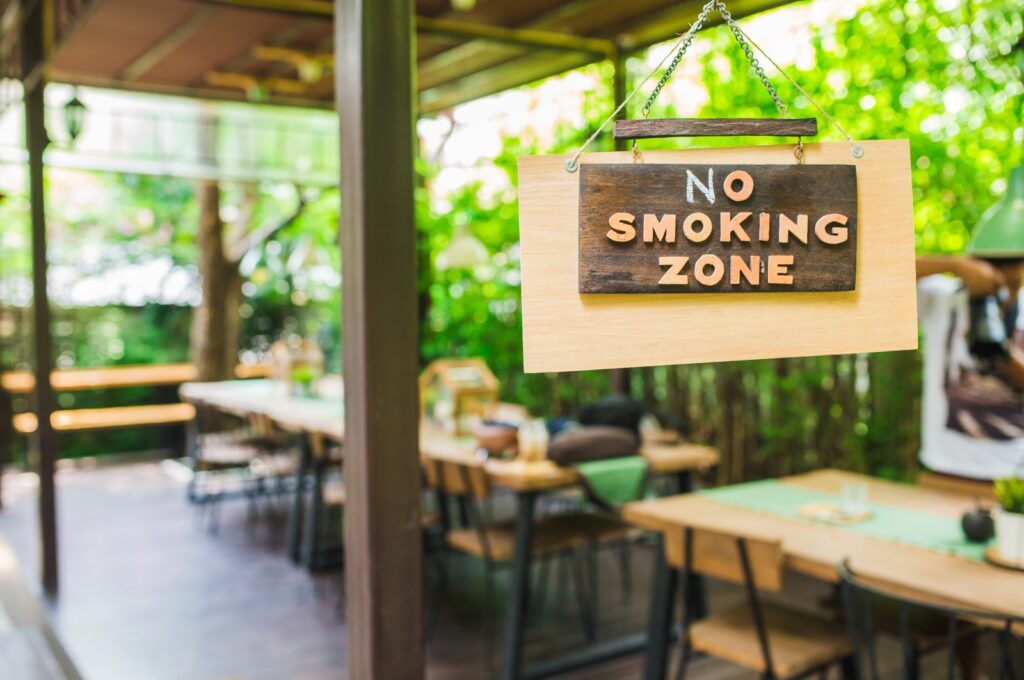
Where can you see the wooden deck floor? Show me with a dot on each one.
(148, 594)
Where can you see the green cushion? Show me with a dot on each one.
(615, 481)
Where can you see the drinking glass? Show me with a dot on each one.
(854, 498)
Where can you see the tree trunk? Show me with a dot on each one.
(216, 324)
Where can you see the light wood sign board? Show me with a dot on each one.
(589, 304)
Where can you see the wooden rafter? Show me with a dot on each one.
(163, 47)
(248, 83)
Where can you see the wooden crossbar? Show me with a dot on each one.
(73, 379)
(108, 418)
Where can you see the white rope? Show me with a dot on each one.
(855, 149)
(572, 164)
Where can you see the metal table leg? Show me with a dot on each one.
(659, 633)
(519, 588)
(310, 544)
(293, 537)
(697, 584)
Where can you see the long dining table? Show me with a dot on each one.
(324, 416)
(945, 572)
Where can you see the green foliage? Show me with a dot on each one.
(1010, 494)
(934, 71)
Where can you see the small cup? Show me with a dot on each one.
(854, 498)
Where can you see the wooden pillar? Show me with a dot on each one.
(620, 376)
(44, 441)
(375, 101)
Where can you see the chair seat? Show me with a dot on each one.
(799, 641)
(224, 450)
(275, 465)
(558, 532)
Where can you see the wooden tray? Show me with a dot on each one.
(992, 555)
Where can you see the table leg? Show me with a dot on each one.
(684, 481)
(443, 510)
(311, 532)
(519, 587)
(697, 585)
(293, 537)
(659, 633)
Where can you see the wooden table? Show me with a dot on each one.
(817, 549)
(527, 480)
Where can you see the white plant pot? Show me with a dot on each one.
(1010, 535)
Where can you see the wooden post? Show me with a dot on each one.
(44, 441)
(375, 43)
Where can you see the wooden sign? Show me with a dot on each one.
(566, 330)
(668, 228)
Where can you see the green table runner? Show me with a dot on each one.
(899, 525)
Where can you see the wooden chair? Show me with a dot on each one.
(327, 501)
(867, 606)
(249, 456)
(771, 639)
(494, 542)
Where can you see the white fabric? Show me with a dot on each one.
(941, 303)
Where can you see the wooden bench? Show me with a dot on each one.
(116, 377)
(109, 418)
(76, 379)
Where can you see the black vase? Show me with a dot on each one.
(978, 525)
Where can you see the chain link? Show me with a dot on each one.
(697, 25)
(755, 64)
(737, 33)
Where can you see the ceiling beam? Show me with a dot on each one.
(291, 55)
(249, 84)
(315, 8)
(478, 55)
(190, 91)
(526, 37)
(522, 71)
(164, 46)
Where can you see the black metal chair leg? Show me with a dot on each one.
(562, 576)
(848, 668)
(489, 618)
(543, 576)
(626, 568)
(582, 602)
(593, 583)
(663, 596)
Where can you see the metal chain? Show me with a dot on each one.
(751, 58)
(685, 40)
(738, 34)
(697, 25)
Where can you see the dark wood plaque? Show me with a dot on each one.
(660, 228)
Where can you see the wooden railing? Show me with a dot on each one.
(79, 379)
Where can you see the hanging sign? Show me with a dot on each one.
(699, 228)
(613, 254)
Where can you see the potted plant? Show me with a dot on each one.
(1010, 518)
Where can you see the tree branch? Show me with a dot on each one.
(235, 251)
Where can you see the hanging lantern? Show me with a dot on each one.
(464, 251)
(74, 116)
(1000, 233)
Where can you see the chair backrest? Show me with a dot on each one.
(720, 555)
(458, 478)
(869, 607)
